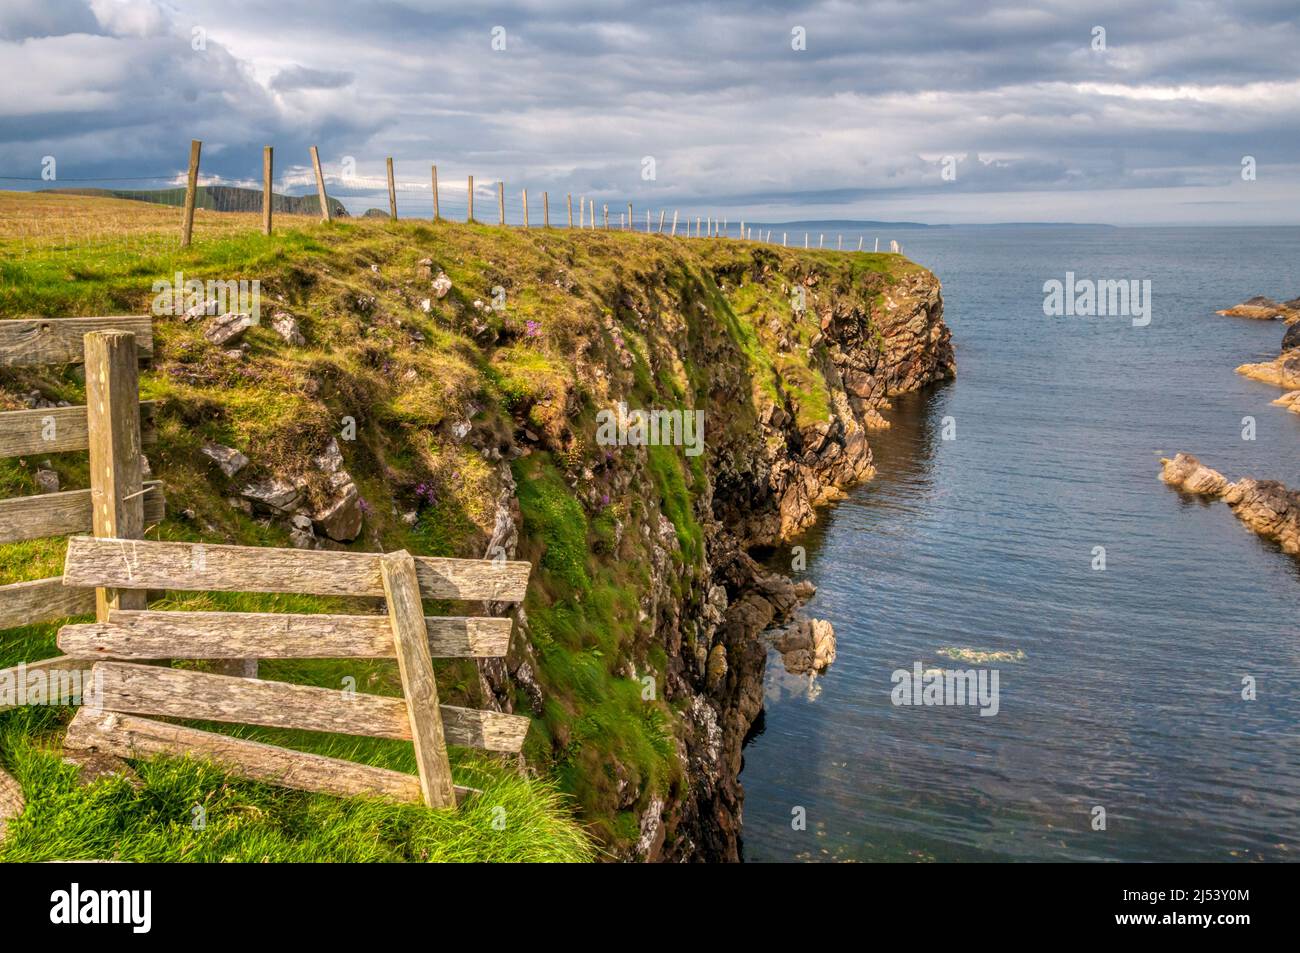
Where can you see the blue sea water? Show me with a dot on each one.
(1129, 695)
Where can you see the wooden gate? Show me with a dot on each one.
(130, 690)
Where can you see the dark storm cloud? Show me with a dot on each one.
(1017, 100)
(300, 77)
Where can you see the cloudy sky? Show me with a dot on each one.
(943, 111)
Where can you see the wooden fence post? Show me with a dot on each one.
(320, 186)
(411, 639)
(662, 213)
(783, 239)
(606, 209)
(191, 193)
(859, 243)
(524, 192)
(630, 225)
(469, 216)
(392, 192)
(674, 223)
(12, 801)
(591, 218)
(113, 422)
(501, 202)
(267, 194)
(436, 214)
(568, 198)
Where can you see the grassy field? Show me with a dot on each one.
(406, 366)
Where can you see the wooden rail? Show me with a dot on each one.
(61, 514)
(127, 736)
(33, 341)
(51, 430)
(178, 693)
(42, 600)
(204, 567)
(219, 635)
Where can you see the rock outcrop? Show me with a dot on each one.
(1282, 371)
(1266, 506)
(1260, 308)
(807, 646)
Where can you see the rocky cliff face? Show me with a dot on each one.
(772, 456)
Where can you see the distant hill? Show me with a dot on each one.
(219, 198)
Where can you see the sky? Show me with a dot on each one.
(1153, 113)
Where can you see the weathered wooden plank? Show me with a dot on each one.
(62, 663)
(149, 690)
(42, 600)
(59, 514)
(29, 342)
(218, 635)
(127, 736)
(12, 801)
(51, 430)
(419, 685)
(113, 422)
(204, 567)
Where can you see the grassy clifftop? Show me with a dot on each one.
(474, 412)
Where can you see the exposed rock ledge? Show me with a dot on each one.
(1266, 506)
(1282, 371)
(1260, 308)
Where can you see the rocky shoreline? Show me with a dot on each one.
(1267, 507)
(1284, 370)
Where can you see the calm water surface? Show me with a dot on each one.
(1129, 695)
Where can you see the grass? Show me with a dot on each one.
(540, 330)
(186, 810)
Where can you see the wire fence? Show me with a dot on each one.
(220, 206)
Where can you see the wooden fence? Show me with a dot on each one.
(119, 502)
(130, 690)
